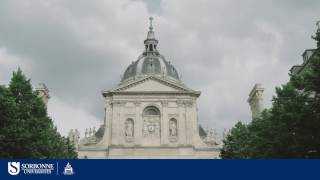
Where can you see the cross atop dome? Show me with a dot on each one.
(150, 19)
(151, 42)
(151, 62)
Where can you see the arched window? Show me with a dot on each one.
(151, 111)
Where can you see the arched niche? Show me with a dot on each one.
(129, 128)
(151, 111)
(151, 123)
(173, 127)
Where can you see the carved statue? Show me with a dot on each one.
(173, 128)
(94, 130)
(90, 132)
(86, 133)
(224, 133)
(129, 129)
(76, 136)
(71, 136)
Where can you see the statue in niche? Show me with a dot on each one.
(129, 128)
(173, 128)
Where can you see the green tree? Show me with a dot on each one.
(26, 131)
(236, 143)
(289, 119)
(260, 136)
(290, 128)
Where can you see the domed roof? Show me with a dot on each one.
(150, 63)
(147, 65)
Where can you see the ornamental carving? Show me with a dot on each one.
(129, 130)
(189, 103)
(137, 103)
(119, 103)
(151, 122)
(180, 103)
(164, 103)
(173, 127)
(173, 130)
(151, 126)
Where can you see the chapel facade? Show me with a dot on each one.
(151, 113)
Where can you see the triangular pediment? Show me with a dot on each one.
(151, 84)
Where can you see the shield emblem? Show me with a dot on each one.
(13, 168)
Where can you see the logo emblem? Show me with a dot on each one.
(68, 170)
(13, 168)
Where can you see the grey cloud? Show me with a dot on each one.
(73, 71)
(219, 47)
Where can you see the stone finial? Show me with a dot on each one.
(255, 100)
(317, 35)
(150, 25)
(76, 136)
(43, 92)
(94, 131)
(90, 132)
(71, 136)
(224, 133)
(86, 133)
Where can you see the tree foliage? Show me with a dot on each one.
(235, 145)
(290, 128)
(26, 131)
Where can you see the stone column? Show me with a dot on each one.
(194, 124)
(138, 123)
(190, 120)
(121, 121)
(190, 116)
(164, 123)
(182, 124)
(107, 122)
(115, 123)
(255, 100)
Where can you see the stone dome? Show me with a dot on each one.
(147, 65)
(151, 63)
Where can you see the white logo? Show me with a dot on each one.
(68, 170)
(13, 168)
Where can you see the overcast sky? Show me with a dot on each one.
(221, 47)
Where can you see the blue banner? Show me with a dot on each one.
(160, 169)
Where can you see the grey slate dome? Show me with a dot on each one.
(150, 63)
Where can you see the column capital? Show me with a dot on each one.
(164, 103)
(189, 104)
(137, 103)
(180, 103)
(118, 102)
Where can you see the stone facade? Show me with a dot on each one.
(255, 100)
(151, 119)
(308, 56)
(150, 114)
